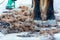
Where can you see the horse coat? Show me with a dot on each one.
(47, 12)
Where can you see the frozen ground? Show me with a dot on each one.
(28, 3)
(15, 36)
(18, 3)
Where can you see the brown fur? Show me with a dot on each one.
(18, 19)
(43, 11)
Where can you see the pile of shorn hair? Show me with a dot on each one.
(18, 21)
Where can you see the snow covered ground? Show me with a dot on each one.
(57, 36)
(14, 36)
(18, 3)
(28, 3)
